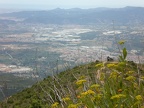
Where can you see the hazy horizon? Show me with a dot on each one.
(67, 4)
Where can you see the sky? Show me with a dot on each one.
(51, 4)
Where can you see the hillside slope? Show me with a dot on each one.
(107, 84)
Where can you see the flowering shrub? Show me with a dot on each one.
(116, 89)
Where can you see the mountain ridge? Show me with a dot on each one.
(125, 15)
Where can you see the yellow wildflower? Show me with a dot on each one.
(130, 72)
(73, 106)
(66, 99)
(99, 65)
(121, 42)
(95, 86)
(80, 82)
(82, 77)
(121, 106)
(118, 96)
(89, 92)
(112, 65)
(139, 98)
(55, 105)
(130, 78)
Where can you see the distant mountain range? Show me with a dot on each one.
(125, 15)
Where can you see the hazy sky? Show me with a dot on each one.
(49, 4)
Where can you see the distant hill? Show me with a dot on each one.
(125, 15)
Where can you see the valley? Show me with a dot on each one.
(30, 52)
